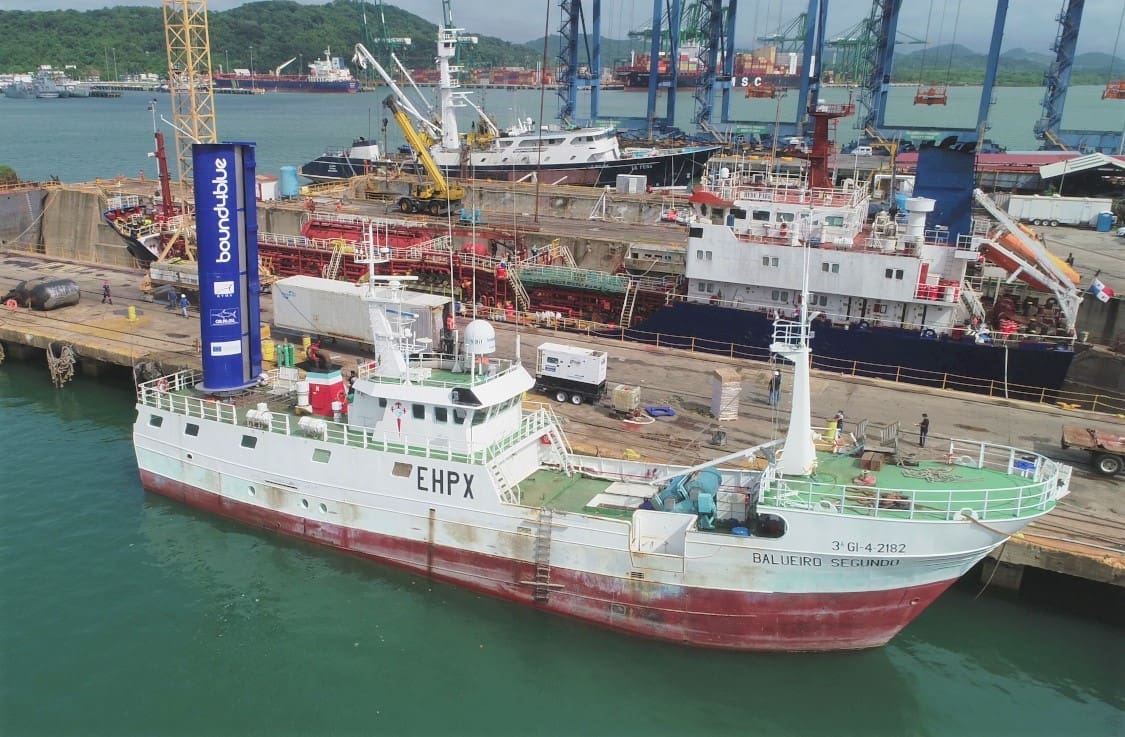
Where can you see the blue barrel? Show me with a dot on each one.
(290, 187)
(1105, 222)
(740, 531)
(900, 201)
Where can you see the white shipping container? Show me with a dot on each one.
(310, 305)
(1047, 210)
(631, 183)
(179, 273)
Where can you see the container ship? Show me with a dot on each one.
(329, 74)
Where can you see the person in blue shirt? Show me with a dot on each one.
(184, 304)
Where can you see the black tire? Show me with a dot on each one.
(1036, 221)
(435, 208)
(576, 399)
(864, 325)
(404, 205)
(1054, 223)
(1107, 464)
(560, 396)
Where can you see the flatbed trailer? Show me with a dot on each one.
(1107, 450)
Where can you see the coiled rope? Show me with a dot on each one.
(62, 366)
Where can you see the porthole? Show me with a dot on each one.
(323, 508)
(250, 490)
(305, 503)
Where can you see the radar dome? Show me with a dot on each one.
(480, 338)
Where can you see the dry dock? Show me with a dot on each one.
(1084, 537)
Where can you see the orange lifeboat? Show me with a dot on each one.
(932, 95)
(1013, 245)
(1114, 90)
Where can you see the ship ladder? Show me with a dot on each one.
(971, 300)
(558, 440)
(332, 270)
(523, 302)
(628, 303)
(508, 491)
(561, 251)
(542, 590)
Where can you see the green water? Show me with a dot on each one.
(126, 614)
(82, 139)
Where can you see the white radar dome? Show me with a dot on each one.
(480, 338)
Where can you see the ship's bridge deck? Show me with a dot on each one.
(443, 370)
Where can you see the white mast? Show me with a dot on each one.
(447, 41)
(389, 323)
(791, 341)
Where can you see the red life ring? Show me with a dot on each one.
(12, 305)
(162, 384)
(342, 396)
(545, 439)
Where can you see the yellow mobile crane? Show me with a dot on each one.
(437, 196)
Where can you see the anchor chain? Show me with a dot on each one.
(62, 367)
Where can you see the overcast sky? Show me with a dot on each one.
(1030, 25)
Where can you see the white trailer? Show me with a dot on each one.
(569, 372)
(1046, 210)
(309, 305)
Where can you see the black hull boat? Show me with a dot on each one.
(667, 168)
(1026, 368)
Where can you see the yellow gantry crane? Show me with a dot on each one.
(437, 196)
(189, 78)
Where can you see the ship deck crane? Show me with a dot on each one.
(437, 197)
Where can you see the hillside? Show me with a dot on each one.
(122, 40)
(130, 40)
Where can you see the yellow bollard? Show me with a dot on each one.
(132, 314)
(269, 350)
(265, 332)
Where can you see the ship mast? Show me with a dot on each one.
(388, 320)
(791, 342)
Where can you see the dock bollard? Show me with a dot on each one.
(132, 313)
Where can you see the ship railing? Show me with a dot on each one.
(169, 393)
(484, 372)
(123, 202)
(1032, 488)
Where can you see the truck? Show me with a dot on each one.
(570, 372)
(1107, 450)
(1049, 210)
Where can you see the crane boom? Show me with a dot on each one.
(437, 196)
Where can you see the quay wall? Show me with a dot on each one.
(21, 215)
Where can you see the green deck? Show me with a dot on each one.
(930, 490)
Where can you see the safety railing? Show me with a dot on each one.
(1031, 486)
(170, 393)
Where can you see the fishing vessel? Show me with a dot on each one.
(588, 156)
(329, 74)
(150, 226)
(434, 462)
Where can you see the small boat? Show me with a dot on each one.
(19, 90)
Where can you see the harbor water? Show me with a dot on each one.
(83, 139)
(128, 614)
(123, 613)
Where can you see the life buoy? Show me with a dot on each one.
(929, 334)
(162, 384)
(545, 439)
(341, 396)
(12, 305)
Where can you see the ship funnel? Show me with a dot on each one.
(917, 208)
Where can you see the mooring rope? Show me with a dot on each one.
(61, 367)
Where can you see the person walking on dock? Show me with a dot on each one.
(184, 304)
(775, 388)
(106, 296)
(923, 430)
